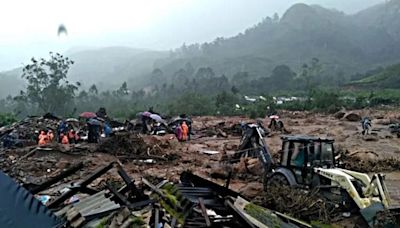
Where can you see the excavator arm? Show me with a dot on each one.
(374, 197)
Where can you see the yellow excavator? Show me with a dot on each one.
(308, 162)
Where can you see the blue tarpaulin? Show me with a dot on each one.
(19, 208)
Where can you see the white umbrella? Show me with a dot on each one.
(71, 120)
(274, 117)
(157, 118)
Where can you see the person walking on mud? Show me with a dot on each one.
(366, 125)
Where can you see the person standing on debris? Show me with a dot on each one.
(366, 125)
(107, 130)
(178, 132)
(185, 131)
(71, 136)
(94, 132)
(62, 129)
(43, 138)
(50, 135)
(64, 138)
(77, 137)
(145, 121)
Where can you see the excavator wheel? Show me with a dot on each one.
(276, 180)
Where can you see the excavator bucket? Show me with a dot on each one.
(369, 213)
(390, 196)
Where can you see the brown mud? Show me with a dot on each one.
(163, 157)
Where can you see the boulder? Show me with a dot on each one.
(352, 117)
(339, 115)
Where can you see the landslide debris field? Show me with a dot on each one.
(164, 158)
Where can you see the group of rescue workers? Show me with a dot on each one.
(182, 132)
(45, 137)
(66, 134)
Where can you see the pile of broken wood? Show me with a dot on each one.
(193, 202)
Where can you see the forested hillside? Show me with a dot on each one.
(343, 45)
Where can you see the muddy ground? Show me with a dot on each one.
(378, 152)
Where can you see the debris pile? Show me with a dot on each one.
(220, 129)
(25, 132)
(365, 165)
(128, 146)
(77, 182)
(194, 202)
(123, 144)
(309, 206)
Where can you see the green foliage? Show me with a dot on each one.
(192, 104)
(48, 86)
(293, 106)
(138, 222)
(7, 118)
(383, 78)
(256, 110)
(263, 215)
(225, 103)
(326, 101)
(282, 77)
(190, 91)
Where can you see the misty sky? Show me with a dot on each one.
(29, 27)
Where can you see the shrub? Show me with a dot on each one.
(7, 118)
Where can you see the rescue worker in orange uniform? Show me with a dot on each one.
(64, 139)
(43, 138)
(185, 131)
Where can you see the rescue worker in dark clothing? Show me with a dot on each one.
(145, 124)
(94, 133)
(366, 125)
(71, 136)
(62, 129)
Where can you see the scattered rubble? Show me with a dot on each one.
(360, 161)
(308, 206)
(25, 132)
(60, 175)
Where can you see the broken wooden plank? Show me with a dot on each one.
(152, 186)
(27, 155)
(82, 183)
(242, 218)
(204, 212)
(156, 218)
(45, 185)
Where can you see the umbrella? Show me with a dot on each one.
(94, 122)
(87, 115)
(71, 120)
(179, 119)
(148, 114)
(157, 118)
(274, 117)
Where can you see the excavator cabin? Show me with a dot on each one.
(302, 154)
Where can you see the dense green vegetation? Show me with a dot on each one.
(191, 91)
(306, 60)
(388, 77)
(7, 118)
(344, 45)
